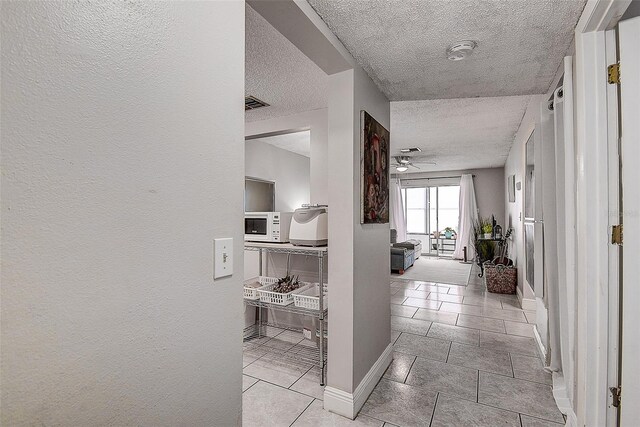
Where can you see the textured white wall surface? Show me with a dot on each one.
(371, 308)
(342, 196)
(359, 254)
(278, 73)
(122, 160)
(489, 185)
(402, 44)
(466, 133)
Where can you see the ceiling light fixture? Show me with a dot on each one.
(410, 150)
(402, 168)
(460, 50)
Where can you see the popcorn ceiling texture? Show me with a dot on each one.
(401, 44)
(458, 133)
(278, 73)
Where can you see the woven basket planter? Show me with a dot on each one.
(500, 279)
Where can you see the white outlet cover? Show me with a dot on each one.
(223, 258)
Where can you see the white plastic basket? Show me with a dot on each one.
(310, 298)
(252, 293)
(266, 295)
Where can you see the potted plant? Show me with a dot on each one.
(449, 232)
(487, 229)
(500, 274)
(485, 249)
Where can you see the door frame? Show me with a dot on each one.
(595, 330)
(614, 256)
(628, 35)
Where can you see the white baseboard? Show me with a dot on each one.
(339, 402)
(349, 404)
(541, 348)
(525, 303)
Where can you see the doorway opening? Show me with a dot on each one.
(432, 215)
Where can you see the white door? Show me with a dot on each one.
(629, 42)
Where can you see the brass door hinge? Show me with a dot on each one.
(613, 74)
(616, 234)
(616, 395)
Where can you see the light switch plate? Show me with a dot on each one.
(223, 258)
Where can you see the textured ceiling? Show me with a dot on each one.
(278, 73)
(298, 142)
(402, 43)
(458, 133)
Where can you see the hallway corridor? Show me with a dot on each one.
(462, 357)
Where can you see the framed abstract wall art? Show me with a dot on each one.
(374, 171)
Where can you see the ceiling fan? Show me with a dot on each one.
(402, 163)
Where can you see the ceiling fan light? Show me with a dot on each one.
(410, 150)
(402, 168)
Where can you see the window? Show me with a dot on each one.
(431, 209)
(444, 214)
(448, 202)
(416, 206)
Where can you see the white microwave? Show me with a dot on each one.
(267, 226)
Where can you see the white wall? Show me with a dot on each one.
(316, 122)
(342, 193)
(359, 254)
(122, 150)
(372, 312)
(290, 172)
(489, 185)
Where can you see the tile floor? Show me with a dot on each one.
(462, 357)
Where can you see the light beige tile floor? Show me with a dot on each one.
(462, 356)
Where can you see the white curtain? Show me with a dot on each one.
(398, 221)
(560, 297)
(468, 215)
(554, 239)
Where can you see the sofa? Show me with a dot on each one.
(403, 254)
(412, 245)
(401, 259)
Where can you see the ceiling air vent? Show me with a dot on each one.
(410, 150)
(251, 103)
